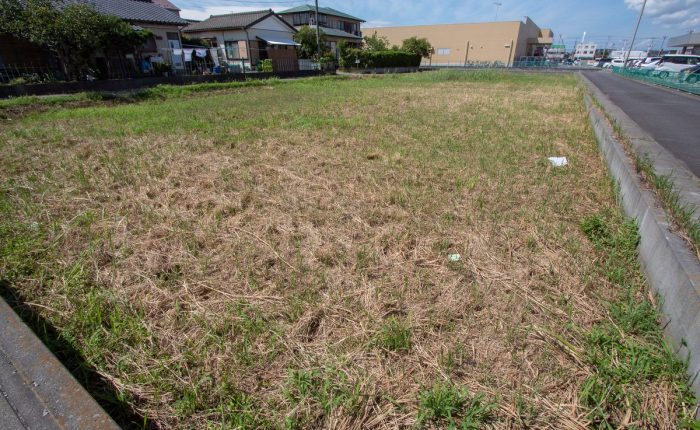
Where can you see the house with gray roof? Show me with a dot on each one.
(688, 43)
(337, 26)
(246, 38)
(160, 17)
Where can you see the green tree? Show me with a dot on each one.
(74, 32)
(376, 43)
(306, 36)
(419, 46)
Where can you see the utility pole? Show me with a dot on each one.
(318, 35)
(466, 56)
(663, 42)
(634, 36)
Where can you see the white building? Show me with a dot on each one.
(634, 55)
(585, 51)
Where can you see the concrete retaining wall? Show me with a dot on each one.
(36, 391)
(116, 85)
(672, 270)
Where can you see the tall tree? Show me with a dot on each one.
(74, 32)
(306, 36)
(419, 46)
(376, 43)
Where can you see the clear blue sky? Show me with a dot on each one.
(607, 22)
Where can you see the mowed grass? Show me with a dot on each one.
(277, 256)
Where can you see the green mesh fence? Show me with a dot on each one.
(684, 81)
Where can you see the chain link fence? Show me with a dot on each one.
(688, 80)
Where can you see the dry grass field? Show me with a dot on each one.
(281, 255)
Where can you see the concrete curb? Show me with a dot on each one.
(671, 269)
(645, 146)
(36, 391)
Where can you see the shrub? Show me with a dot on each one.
(160, 69)
(417, 45)
(372, 59)
(265, 66)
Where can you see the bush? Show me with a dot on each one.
(265, 66)
(376, 59)
(160, 69)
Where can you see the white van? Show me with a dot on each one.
(676, 63)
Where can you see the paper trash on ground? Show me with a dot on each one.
(558, 161)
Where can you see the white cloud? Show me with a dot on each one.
(680, 14)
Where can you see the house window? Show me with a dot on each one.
(339, 25)
(232, 50)
(322, 18)
(443, 51)
(301, 19)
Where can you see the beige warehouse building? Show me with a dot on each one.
(487, 42)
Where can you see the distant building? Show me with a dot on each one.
(633, 55)
(336, 26)
(488, 42)
(686, 44)
(556, 53)
(585, 51)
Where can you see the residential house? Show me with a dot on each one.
(469, 43)
(165, 4)
(244, 39)
(159, 17)
(337, 26)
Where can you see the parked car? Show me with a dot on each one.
(649, 62)
(690, 76)
(616, 62)
(675, 63)
(603, 61)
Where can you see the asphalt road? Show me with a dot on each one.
(671, 118)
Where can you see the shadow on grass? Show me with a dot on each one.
(100, 388)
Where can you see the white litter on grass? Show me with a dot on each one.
(558, 161)
(454, 257)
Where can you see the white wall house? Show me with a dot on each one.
(243, 39)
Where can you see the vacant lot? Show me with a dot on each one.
(284, 255)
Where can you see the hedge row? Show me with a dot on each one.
(377, 59)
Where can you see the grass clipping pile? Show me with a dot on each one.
(285, 257)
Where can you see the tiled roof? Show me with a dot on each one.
(323, 10)
(166, 4)
(229, 21)
(334, 32)
(135, 11)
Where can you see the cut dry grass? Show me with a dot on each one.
(278, 257)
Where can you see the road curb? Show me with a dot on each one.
(36, 390)
(671, 269)
(644, 146)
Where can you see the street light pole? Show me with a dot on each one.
(634, 36)
(498, 6)
(318, 35)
